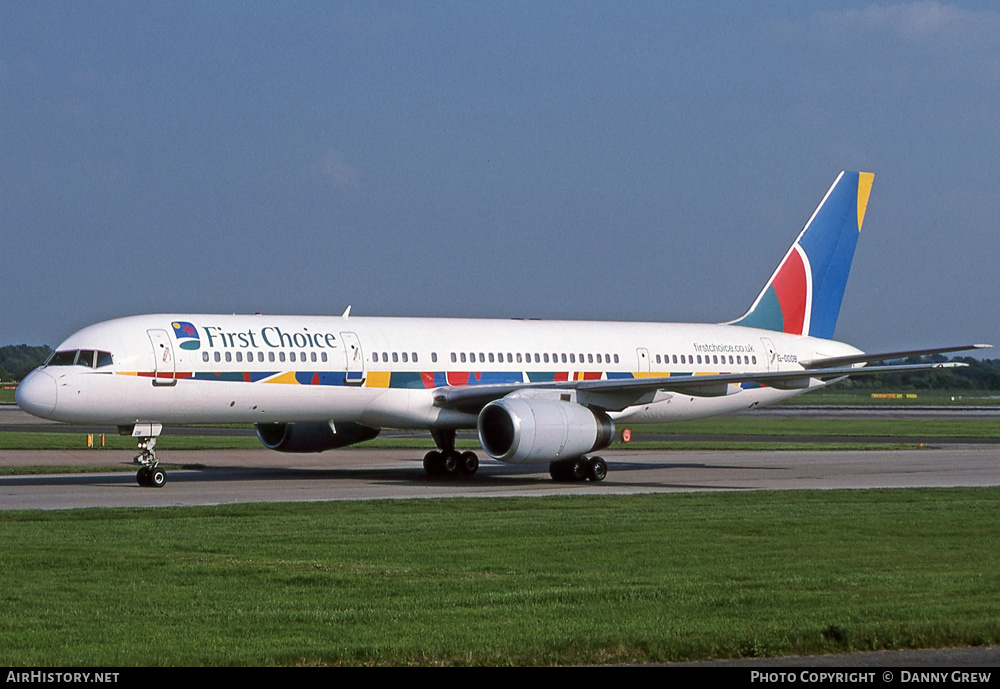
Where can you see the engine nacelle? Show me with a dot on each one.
(312, 436)
(525, 431)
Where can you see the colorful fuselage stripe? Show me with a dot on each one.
(413, 380)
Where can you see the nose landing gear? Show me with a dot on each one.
(150, 475)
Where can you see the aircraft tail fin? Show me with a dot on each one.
(804, 294)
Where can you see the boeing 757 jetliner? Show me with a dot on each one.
(537, 391)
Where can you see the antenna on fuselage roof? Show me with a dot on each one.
(347, 312)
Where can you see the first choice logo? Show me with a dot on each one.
(271, 337)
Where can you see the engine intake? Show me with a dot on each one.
(525, 431)
(312, 436)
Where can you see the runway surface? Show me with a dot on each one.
(242, 476)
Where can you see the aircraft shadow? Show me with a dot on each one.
(490, 475)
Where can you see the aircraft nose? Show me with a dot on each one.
(37, 394)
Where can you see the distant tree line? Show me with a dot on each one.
(979, 374)
(16, 361)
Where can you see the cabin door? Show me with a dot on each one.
(354, 371)
(164, 364)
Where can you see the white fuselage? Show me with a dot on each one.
(382, 372)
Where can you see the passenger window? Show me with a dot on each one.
(270, 357)
(413, 357)
(229, 356)
(239, 357)
(281, 357)
(405, 357)
(322, 356)
(395, 357)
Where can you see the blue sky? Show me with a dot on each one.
(605, 160)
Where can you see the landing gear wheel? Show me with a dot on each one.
(469, 463)
(580, 469)
(157, 477)
(432, 463)
(562, 470)
(598, 469)
(151, 477)
(449, 463)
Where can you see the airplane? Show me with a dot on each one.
(536, 391)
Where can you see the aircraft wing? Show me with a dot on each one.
(617, 394)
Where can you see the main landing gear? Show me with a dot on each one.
(446, 460)
(579, 469)
(150, 475)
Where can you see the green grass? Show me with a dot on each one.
(502, 581)
(13, 440)
(985, 428)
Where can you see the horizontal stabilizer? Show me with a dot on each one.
(885, 356)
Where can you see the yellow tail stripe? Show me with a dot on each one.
(865, 180)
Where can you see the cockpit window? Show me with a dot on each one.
(62, 359)
(80, 357)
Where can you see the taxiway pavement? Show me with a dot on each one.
(245, 476)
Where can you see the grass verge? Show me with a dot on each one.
(502, 581)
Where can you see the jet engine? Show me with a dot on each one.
(524, 431)
(313, 436)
